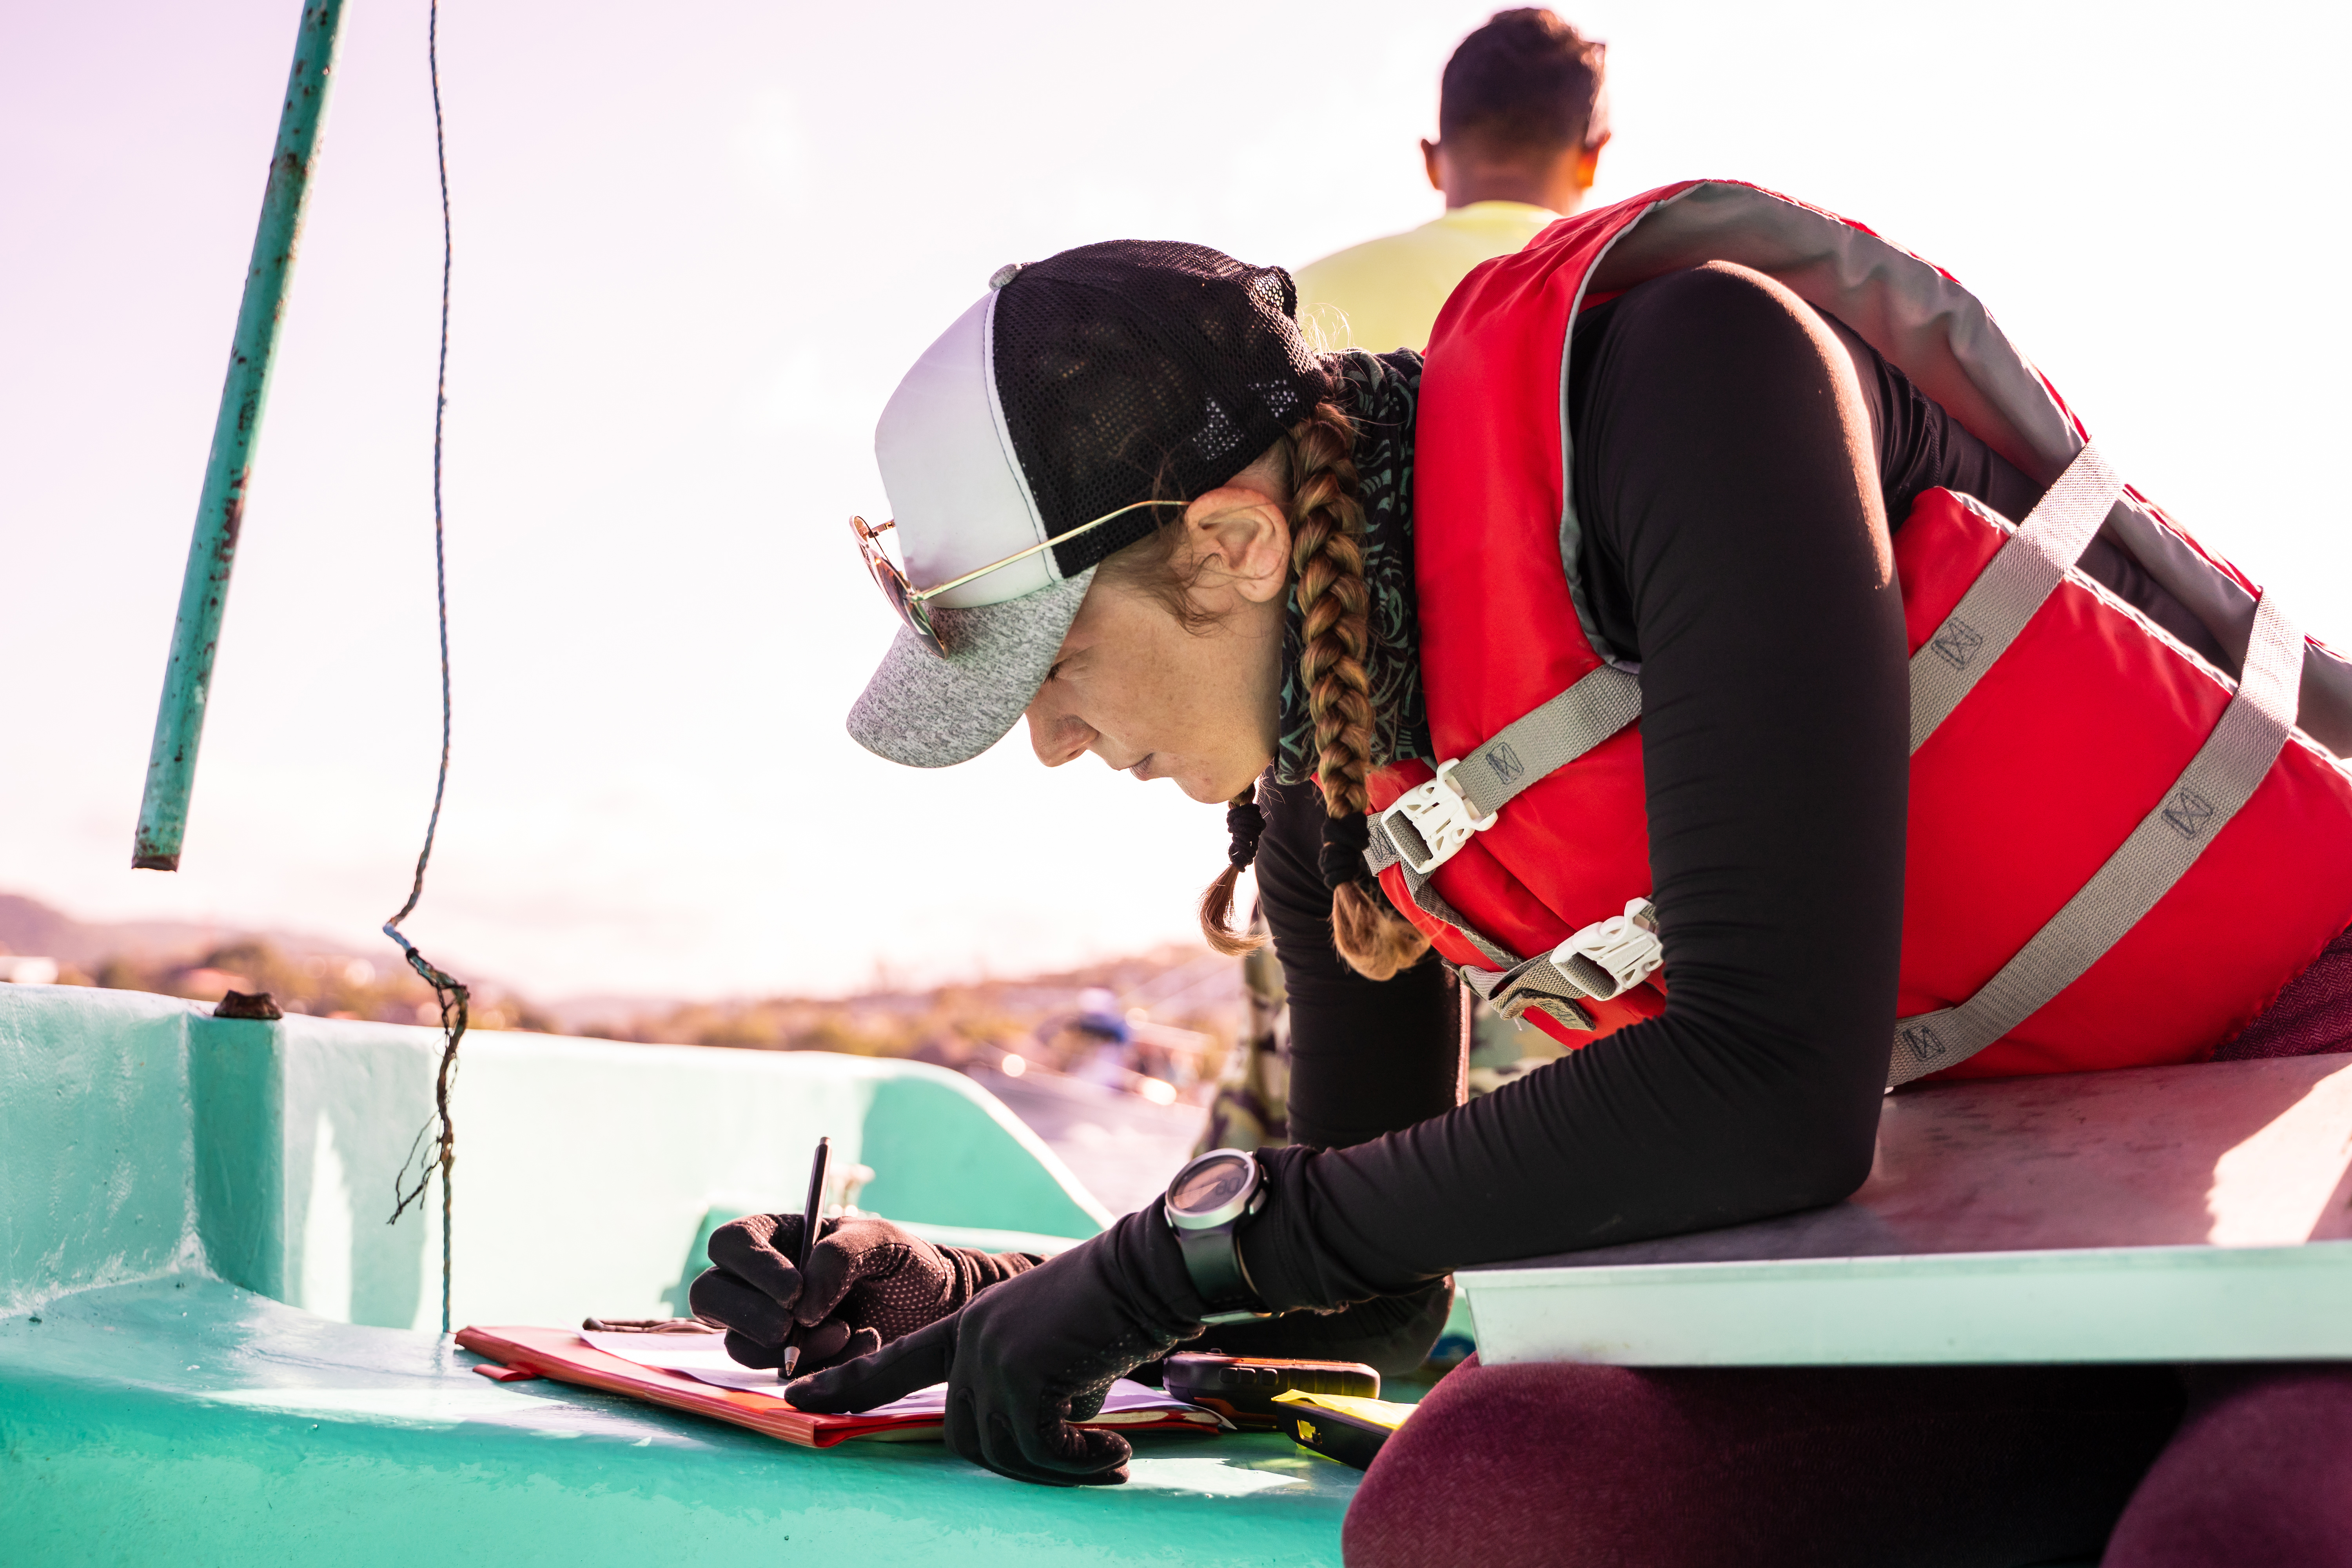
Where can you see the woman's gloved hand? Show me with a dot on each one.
(1035, 1355)
(1392, 1334)
(869, 1283)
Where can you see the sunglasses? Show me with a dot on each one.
(912, 602)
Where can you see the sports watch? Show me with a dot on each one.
(1205, 1207)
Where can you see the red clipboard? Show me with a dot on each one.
(562, 1355)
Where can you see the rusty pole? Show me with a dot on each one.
(220, 513)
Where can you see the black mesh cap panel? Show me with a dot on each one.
(1141, 369)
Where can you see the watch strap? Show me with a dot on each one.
(1213, 1259)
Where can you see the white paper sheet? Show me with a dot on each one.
(704, 1356)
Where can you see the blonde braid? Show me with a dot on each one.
(1326, 553)
(1327, 558)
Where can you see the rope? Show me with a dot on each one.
(448, 992)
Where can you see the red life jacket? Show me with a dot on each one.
(2076, 762)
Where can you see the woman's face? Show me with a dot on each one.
(1159, 700)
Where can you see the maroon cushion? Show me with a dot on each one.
(1542, 1465)
(2311, 1014)
(2260, 1472)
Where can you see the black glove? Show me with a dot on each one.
(1025, 1359)
(1393, 1334)
(869, 1284)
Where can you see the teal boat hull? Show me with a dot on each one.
(190, 1247)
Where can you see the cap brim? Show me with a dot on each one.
(931, 711)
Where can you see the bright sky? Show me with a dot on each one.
(696, 247)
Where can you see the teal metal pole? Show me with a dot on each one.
(220, 513)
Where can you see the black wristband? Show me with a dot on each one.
(1206, 1204)
(1214, 1259)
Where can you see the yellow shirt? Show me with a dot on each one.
(1386, 293)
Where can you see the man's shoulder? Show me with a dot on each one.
(1381, 294)
(1505, 225)
(1381, 255)
(1443, 248)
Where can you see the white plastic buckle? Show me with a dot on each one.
(1623, 945)
(1438, 815)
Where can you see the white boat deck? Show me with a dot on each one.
(2197, 1213)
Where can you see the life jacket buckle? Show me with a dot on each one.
(1623, 947)
(1430, 823)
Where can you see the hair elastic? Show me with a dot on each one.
(1247, 823)
(1341, 856)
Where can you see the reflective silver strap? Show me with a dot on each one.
(2012, 586)
(1602, 701)
(2230, 765)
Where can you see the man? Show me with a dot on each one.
(1521, 120)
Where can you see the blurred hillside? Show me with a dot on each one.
(176, 958)
(29, 926)
(1183, 1004)
(1184, 999)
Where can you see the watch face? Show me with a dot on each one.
(1211, 1183)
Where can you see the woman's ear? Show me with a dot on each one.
(1240, 535)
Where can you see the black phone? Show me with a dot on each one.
(1242, 1388)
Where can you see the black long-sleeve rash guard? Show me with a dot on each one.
(1735, 466)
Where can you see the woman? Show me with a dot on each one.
(1699, 456)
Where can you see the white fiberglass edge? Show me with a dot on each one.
(2091, 1304)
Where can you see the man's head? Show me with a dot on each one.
(1521, 114)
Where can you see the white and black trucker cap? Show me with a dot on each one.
(1114, 373)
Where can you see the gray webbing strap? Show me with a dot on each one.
(1558, 988)
(1496, 986)
(1514, 1001)
(1537, 743)
(2012, 586)
(1381, 854)
(1431, 822)
(1430, 901)
(2226, 770)
(1602, 701)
